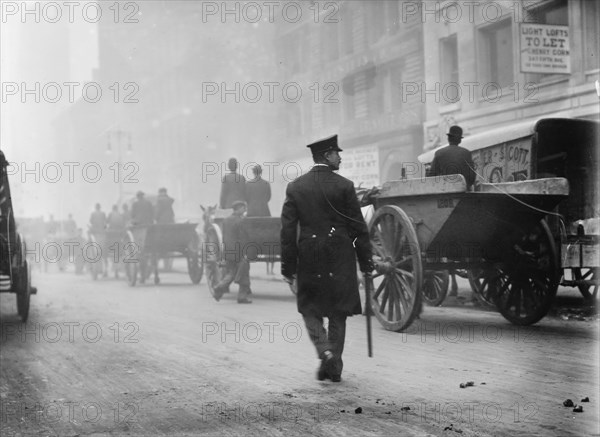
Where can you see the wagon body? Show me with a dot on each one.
(551, 147)
(145, 245)
(434, 223)
(15, 272)
(260, 243)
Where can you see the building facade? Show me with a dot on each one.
(350, 59)
(493, 64)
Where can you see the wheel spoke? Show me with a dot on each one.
(380, 288)
(404, 273)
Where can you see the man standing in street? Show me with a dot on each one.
(237, 266)
(454, 159)
(332, 235)
(258, 194)
(97, 220)
(142, 211)
(233, 186)
(164, 208)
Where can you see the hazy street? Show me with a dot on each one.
(102, 358)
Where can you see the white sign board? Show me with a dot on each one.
(361, 165)
(545, 48)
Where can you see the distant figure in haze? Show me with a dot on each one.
(126, 213)
(164, 208)
(97, 220)
(233, 186)
(142, 211)
(454, 159)
(70, 227)
(116, 221)
(258, 194)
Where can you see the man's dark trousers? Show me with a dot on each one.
(331, 339)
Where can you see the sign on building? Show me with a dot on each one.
(544, 48)
(361, 165)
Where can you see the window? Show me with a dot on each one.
(449, 67)
(395, 91)
(496, 54)
(346, 22)
(377, 18)
(554, 12)
(329, 42)
(591, 22)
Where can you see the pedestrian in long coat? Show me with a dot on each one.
(258, 195)
(233, 186)
(454, 159)
(332, 235)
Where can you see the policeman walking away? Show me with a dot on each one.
(323, 257)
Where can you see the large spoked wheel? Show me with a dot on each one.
(212, 256)
(588, 290)
(195, 262)
(130, 259)
(24, 291)
(396, 299)
(525, 286)
(481, 288)
(435, 286)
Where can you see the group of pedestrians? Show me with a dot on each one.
(249, 198)
(142, 212)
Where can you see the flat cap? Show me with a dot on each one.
(238, 204)
(325, 145)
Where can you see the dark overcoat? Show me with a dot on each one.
(332, 234)
(164, 209)
(258, 194)
(142, 212)
(453, 159)
(233, 187)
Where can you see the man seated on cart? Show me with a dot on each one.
(142, 211)
(237, 268)
(454, 159)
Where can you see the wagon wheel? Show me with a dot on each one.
(396, 299)
(194, 261)
(212, 258)
(435, 286)
(130, 259)
(525, 286)
(588, 291)
(24, 291)
(96, 265)
(481, 288)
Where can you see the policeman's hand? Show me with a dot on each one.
(289, 279)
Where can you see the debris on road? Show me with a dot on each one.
(578, 409)
(358, 410)
(568, 403)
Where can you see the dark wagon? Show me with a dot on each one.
(261, 242)
(435, 224)
(145, 245)
(548, 147)
(15, 272)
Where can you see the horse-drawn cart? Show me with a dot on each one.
(261, 243)
(550, 147)
(145, 245)
(435, 224)
(15, 272)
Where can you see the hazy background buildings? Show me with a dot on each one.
(187, 84)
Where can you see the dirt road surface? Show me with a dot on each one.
(105, 359)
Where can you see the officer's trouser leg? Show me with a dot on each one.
(317, 333)
(337, 337)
